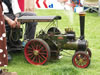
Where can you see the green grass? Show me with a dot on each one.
(63, 66)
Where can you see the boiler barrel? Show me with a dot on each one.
(77, 45)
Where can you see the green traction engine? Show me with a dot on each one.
(50, 42)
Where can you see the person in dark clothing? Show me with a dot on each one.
(12, 12)
(12, 7)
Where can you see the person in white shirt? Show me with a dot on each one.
(14, 6)
(12, 11)
(17, 12)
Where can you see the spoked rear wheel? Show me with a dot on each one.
(37, 52)
(81, 59)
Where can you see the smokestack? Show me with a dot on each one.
(82, 25)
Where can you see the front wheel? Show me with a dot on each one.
(81, 59)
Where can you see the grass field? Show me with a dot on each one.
(63, 66)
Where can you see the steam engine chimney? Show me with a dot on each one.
(82, 25)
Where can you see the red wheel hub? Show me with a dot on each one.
(36, 52)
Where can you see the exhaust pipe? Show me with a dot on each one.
(82, 25)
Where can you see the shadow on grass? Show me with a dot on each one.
(17, 56)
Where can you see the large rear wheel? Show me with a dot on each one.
(37, 52)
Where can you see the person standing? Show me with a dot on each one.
(11, 7)
(12, 12)
(3, 47)
(29, 5)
